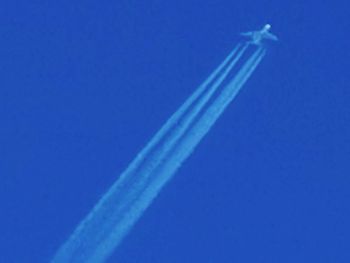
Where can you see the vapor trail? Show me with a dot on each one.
(186, 143)
(132, 180)
(174, 119)
(198, 130)
(110, 220)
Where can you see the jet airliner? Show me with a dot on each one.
(258, 36)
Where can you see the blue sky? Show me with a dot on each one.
(84, 85)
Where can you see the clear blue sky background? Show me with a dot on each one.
(85, 84)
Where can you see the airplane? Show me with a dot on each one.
(258, 36)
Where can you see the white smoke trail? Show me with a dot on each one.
(109, 221)
(184, 123)
(173, 120)
(130, 181)
(186, 145)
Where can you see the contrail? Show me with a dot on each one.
(184, 122)
(131, 180)
(198, 130)
(176, 117)
(112, 217)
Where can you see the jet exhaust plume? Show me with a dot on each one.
(117, 211)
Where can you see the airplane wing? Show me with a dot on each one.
(270, 36)
(246, 34)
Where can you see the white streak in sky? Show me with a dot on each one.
(117, 211)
